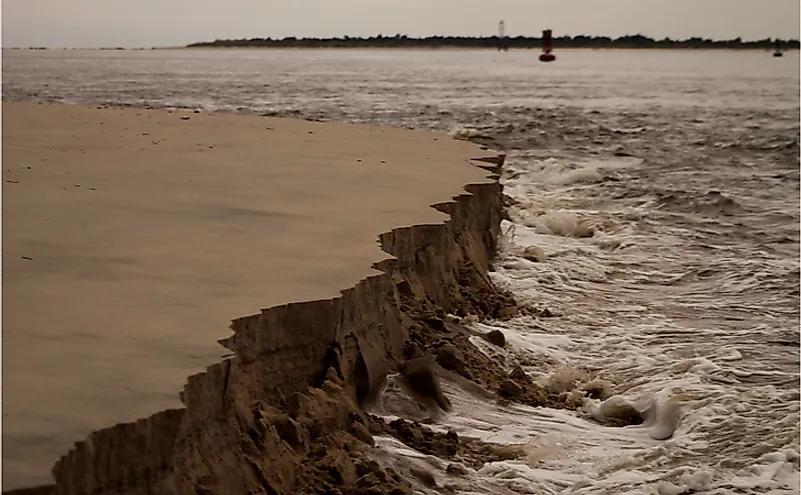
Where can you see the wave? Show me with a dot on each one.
(711, 203)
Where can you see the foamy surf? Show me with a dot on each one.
(634, 318)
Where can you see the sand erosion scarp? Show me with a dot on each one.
(283, 414)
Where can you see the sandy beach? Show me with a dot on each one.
(132, 237)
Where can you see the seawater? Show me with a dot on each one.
(663, 190)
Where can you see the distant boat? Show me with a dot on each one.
(778, 51)
(547, 47)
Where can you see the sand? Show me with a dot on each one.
(131, 237)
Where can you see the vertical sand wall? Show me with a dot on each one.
(243, 422)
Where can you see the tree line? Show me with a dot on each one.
(512, 42)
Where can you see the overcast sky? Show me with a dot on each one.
(145, 23)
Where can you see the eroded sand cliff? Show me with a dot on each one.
(257, 422)
(283, 414)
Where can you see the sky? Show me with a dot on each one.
(147, 23)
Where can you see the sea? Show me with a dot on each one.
(659, 191)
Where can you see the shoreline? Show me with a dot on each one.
(361, 335)
(592, 337)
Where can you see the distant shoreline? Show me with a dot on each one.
(402, 42)
(636, 42)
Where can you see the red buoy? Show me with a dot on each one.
(547, 47)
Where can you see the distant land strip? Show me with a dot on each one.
(520, 42)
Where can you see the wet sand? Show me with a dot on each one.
(131, 237)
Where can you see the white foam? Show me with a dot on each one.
(461, 132)
(716, 419)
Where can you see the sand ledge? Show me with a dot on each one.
(209, 446)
